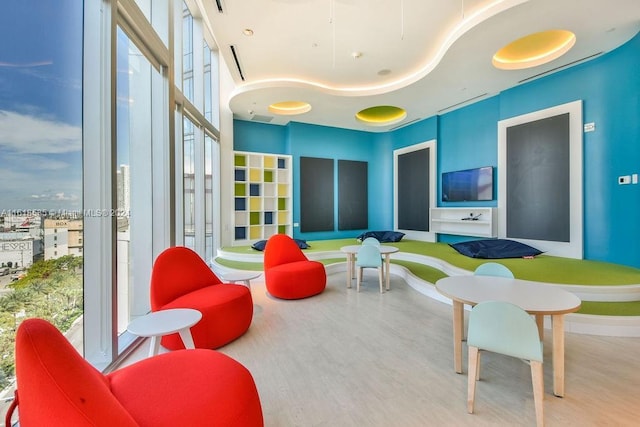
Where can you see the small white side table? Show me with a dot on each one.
(165, 322)
(241, 276)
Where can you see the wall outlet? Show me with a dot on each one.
(634, 178)
(589, 127)
(295, 224)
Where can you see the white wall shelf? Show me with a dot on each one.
(468, 221)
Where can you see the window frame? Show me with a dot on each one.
(102, 345)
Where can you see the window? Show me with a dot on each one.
(130, 128)
(187, 54)
(189, 184)
(42, 180)
(208, 196)
(136, 102)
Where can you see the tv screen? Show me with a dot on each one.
(468, 185)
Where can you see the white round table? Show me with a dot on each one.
(165, 322)
(536, 298)
(241, 276)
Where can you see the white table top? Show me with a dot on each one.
(238, 276)
(164, 322)
(384, 249)
(533, 297)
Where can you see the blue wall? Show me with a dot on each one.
(259, 137)
(467, 137)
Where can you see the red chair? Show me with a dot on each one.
(57, 387)
(288, 272)
(181, 279)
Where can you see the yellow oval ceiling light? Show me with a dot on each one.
(382, 115)
(290, 108)
(534, 49)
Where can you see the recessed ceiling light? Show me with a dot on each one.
(290, 108)
(247, 32)
(534, 49)
(382, 115)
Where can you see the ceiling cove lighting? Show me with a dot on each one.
(534, 49)
(290, 108)
(382, 115)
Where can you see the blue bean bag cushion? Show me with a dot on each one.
(382, 236)
(495, 249)
(259, 245)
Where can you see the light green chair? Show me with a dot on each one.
(493, 269)
(368, 256)
(505, 328)
(371, 241)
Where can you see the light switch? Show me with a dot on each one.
(626, 179)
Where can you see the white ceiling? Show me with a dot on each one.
(437, 52)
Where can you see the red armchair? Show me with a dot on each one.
(288, 272)
(181, 279)
(57, 387)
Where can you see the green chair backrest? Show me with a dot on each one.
(504, 328)
(368, 256)
(371, 241)
(493, 269)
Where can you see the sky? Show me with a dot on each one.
(40, 104)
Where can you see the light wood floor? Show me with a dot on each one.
(368, 359)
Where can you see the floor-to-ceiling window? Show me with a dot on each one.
(99, 125)
(94, 165)
(199, 109)
(41, 215)
(140, 91)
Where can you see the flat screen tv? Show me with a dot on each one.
(468, 185)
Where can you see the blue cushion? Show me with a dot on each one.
(495, 248)
(382, 236)
(260, 244)
(302, 244)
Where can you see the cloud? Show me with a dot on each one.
(26, 134)
(26, 64)
(57, 197)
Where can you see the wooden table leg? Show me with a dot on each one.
(387, 264)
(557, 321)
(458, 332)
(349, 269)
(540, 323)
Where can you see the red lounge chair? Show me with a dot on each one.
(288, 272)
(181, 279)
(57, 387)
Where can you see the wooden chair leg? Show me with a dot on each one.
(359, 279)
(537, 378)
(471, 382)
(478, 366)
(380, 279)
